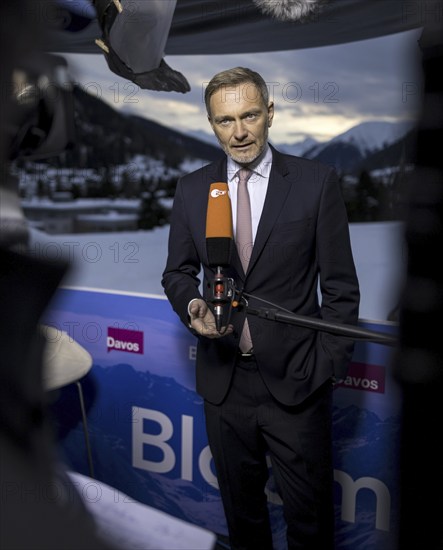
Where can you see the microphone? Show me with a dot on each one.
(219, 243)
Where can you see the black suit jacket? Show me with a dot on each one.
(302, 245)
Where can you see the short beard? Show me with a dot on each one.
(245, 160)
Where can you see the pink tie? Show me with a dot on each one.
(244, 240)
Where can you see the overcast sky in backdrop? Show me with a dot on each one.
(318, 92)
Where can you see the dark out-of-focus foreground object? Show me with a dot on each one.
(41, 118)
(133, 39)
(418, 364)
(40, 506)
(201, 27)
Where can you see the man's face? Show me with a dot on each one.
(240, 121)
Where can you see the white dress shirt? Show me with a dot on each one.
(257, 187)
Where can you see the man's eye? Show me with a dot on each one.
(224, 122)
(251, 116)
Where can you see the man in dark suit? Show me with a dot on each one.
(273, 396)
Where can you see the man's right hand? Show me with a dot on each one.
(202, 320)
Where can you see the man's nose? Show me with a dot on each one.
(240, 131)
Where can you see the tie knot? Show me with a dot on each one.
(244, 174)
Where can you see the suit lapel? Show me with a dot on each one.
(216, 171)
(278, 189)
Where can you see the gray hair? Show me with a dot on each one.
(234, 77)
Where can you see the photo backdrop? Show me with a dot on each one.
(146, 424)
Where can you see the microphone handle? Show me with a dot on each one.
(218, 314)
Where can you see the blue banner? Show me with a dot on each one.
(146, 424)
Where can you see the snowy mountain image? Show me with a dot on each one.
(107, 184)
(368, 137)
(349, 150)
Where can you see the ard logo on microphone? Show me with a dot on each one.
(217, 193)
(120, 339)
